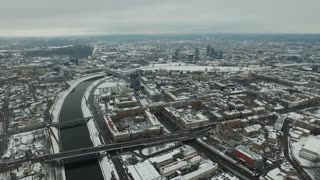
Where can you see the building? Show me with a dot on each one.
(143, 170)
(259, 110)
(133, 127)
(188, 118)
(251, 158)
(213, 53)
(253, 129)
(216, 116)
(196, 54)
(225, 176)
(272, 137)
(258, 143)
(202, 172)
(163, 160)
(152, 92)
(275, 174)
(182, 164)
(176, 54)
(190, 57)
(208, 52)
(231, 114)
(311, 149)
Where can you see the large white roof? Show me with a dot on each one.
(312, 144)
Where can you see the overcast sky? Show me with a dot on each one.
(77, 17)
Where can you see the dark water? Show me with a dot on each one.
(82, 168)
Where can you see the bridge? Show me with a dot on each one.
(177, 137)
(60, 125)
(72, 123)
(116, 74)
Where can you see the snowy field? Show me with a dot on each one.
(108, 82)
(295, 149)
(193, 67)
(106, 164)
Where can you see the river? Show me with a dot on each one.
(83, 168)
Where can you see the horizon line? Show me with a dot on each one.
(149, 34)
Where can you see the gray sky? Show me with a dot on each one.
(77, 17)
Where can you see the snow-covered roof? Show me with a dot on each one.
(312, 144)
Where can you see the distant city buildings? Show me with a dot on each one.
(257, 100)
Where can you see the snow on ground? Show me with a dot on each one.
(294, 116)
(56, 108)
(107, 168)
(18, 143)
(4, 176)
(294, 64)
(56, 148)
(295, 149)
(193, 67)
(143, 170)
(108, 82)
(226, 158)
(106, 164)
(154, 149)
(311, 174)
(315, 112)
(128, 155)
(167, 64)
(297, 146)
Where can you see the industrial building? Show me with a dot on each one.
(251, 158)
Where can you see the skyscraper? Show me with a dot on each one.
(197, 54)
(208, 52)
(176, 54)
(220, 54)
(213, 52)
(190, 57)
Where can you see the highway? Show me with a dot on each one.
(178, 137)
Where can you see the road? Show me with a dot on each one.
(6, 116)
(178, 137)
(101, 124)
(105, 134)
(213, 156)
(223, 164)
(285, 141)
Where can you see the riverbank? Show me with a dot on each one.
(55, 113)
(106, 165)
